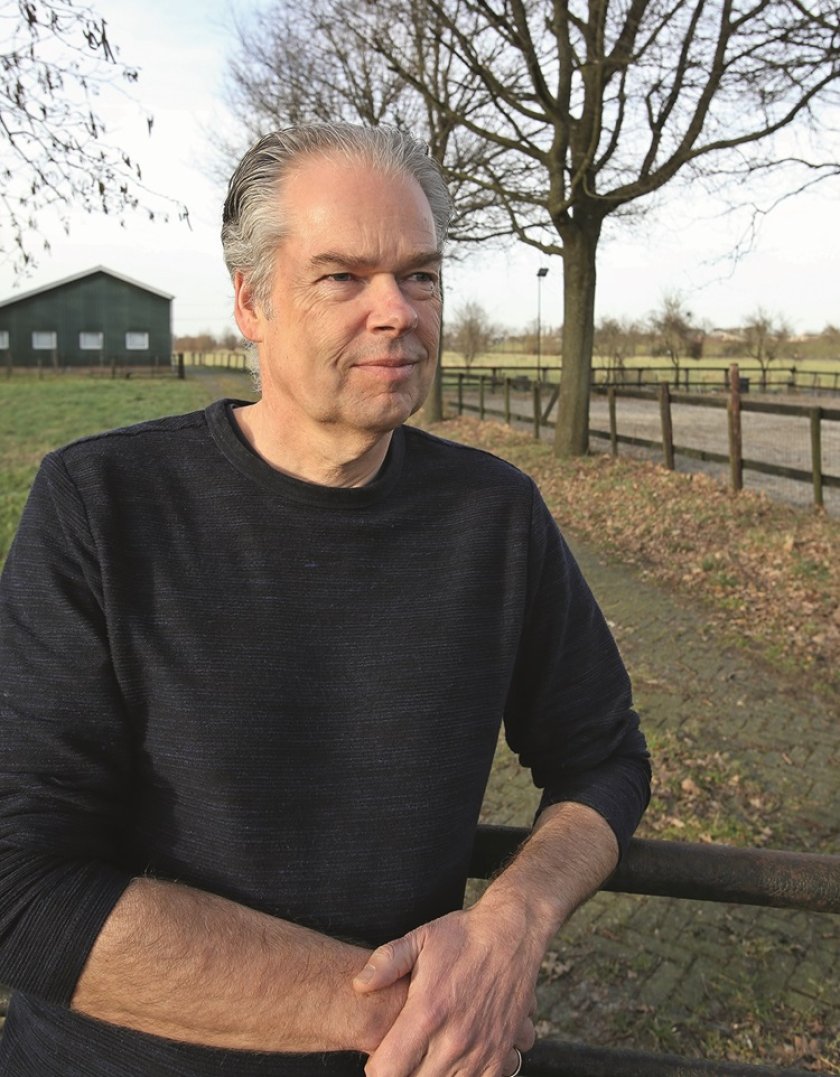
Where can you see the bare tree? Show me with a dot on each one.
(471, 331)
(556, 116)
(615, 340)
(671, 326)
(55, 57)
(764, 337)
(596, 104)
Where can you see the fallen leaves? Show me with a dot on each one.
(770, 572)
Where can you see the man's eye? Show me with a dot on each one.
(341, 278)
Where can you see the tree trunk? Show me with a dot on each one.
(580, 244)
(433, 408)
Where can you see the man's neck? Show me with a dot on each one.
(326, 459)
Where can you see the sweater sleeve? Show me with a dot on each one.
(63, 756)
(569, 713)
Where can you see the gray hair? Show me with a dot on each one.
(251, 223)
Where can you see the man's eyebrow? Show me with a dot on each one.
(352, 261)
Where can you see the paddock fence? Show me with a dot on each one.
(728, 429)
(694, 377)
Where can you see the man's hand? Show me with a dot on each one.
(472, 974)
(470, 1000)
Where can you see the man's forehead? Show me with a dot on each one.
(360, 259)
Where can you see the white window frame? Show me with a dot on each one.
(137, 342)
(91, 342)
(44, 340)
(4, 340)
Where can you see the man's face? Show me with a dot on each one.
(350, 337)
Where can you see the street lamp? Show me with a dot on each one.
(543, 272)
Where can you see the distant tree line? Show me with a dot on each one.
(669, 331)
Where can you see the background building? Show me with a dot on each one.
(95, 318)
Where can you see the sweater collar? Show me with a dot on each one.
(229, 440)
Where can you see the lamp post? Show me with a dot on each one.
(542, 272)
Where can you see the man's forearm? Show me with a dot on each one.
(570, 853)
(193, 966)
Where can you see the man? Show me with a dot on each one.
(256, 659)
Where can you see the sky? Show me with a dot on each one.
(682, 246)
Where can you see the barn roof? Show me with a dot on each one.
(80, 276)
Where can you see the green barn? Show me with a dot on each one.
(95, 318)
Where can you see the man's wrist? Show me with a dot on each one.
(570, 853)
(362, 1020)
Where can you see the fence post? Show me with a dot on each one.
(816, 455)
(736, 457)
(613, 421)
(481, 380)
(537, 410)
(460, 392)
(667, 425)
(180, 366)
(507, 401)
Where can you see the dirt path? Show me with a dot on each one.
(692, 977)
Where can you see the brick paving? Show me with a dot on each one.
(687, 976)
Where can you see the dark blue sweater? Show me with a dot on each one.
(283, 693)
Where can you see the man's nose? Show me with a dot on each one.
(390, 308)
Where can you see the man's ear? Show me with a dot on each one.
(245, 309)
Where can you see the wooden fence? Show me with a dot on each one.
(541, 398)
(774, 878)
(693, 378)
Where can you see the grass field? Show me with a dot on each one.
(37, 415)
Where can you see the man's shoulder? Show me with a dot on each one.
(465, 461)
(137, 437)
(115, 462)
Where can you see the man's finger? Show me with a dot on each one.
(526, 1036)
(388, 964)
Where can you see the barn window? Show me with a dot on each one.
(4, 339)
(44, 342)
(91, 342)
(137, 342)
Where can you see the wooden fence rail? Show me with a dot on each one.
(693, 378)
(772, 878)
(733, 401)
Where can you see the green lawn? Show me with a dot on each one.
(37, 415)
